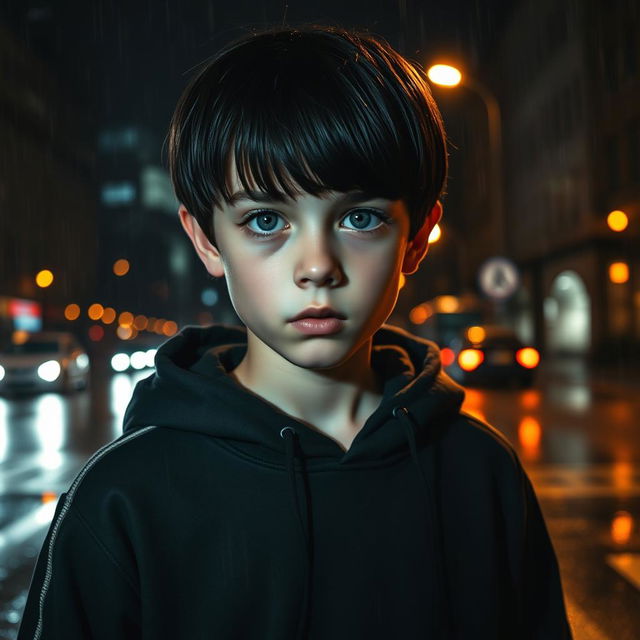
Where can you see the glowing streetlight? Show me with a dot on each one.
(617, 220)
(444, 75)
(44, 278)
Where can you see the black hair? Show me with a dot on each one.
(313, 108)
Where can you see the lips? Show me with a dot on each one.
(318, 312)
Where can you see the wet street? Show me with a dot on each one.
(578, 435)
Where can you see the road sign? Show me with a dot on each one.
(499, 278)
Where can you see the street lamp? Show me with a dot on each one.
(448, 76)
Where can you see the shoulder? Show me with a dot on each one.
(473, 441)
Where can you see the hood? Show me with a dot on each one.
(192, 390)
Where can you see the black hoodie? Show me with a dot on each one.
(216, 515)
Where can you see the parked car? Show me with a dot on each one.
(44, 361)
(490, 355)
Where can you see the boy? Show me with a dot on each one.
(308, 475)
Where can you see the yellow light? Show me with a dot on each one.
(95, 311)
(476, 334)
(402, 281)
(125, 319)
(619, 272)
(470, 359)
(109, 315)
(618, 220)
(435, 234)
(72, 311)
(121, 267)
(622, 527)
(447, 304)
(44, 278)
(528, 357)
(445, 75)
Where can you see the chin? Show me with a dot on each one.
(321, 355)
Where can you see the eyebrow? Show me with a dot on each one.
(350, 197)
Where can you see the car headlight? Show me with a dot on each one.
(49, 370)
(151, 354)
(138, 360)
(1, 372)
(120, 362)
(83, 360)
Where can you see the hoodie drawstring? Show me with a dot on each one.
(441, 607)
(289, 434)
(441, 600)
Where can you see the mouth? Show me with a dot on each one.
(318, 312)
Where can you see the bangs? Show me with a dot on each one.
(307, 111)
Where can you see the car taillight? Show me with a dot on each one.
(447, 356)
(528, 357)
(470, 359)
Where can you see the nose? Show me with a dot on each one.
(318, 265)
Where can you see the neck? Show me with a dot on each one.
(336, 401)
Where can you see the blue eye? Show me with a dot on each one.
(266, 223)
(362, 219)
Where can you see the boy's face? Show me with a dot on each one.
(339, 251)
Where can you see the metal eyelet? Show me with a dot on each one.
(284, 429)
(397, 410)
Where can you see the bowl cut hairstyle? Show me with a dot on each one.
(315, 109)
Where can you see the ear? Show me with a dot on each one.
(417, 248)
(209, 255)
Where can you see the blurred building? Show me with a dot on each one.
(567, 78)
(47, 174)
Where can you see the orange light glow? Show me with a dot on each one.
(48, 496)
(121, 267)
(95, 311)
(109, 315)
(169, 328)
(44, 278)
(476, 334)
(530, 399)
(402, 281)
(622, 527)
(140, 322)
(20, 336)
(418, 314)
(617, 220)
(447, 356)
(470, 359)
(435, 235)
(72, 312)
(447, 304)
(619, 272)
(528, 357)
(529, 435)
(125, 319)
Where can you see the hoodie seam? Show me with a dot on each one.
(73, 509)
(310, 467)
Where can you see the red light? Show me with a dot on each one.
(447, 356)
(96, 333)
(528, 357)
